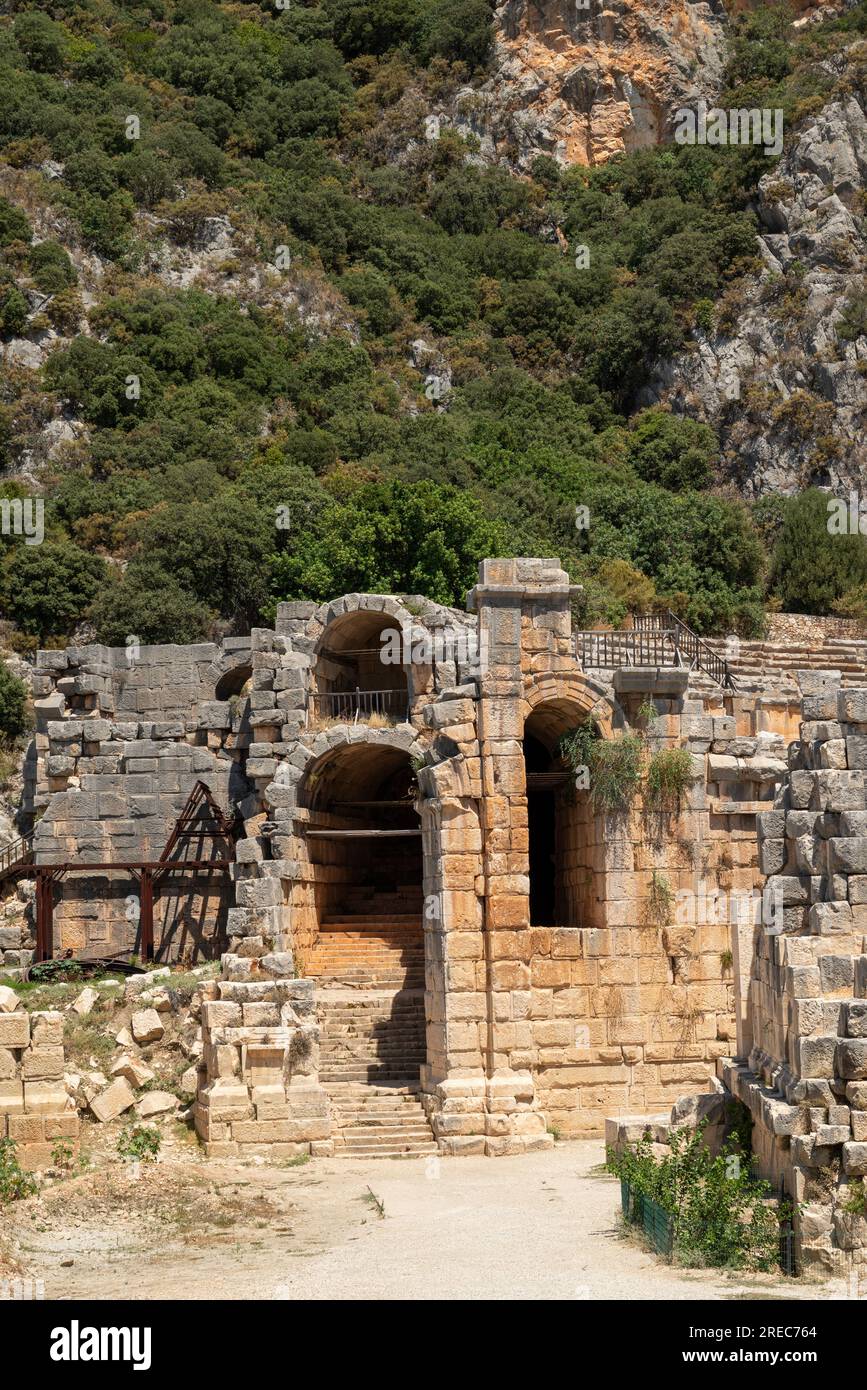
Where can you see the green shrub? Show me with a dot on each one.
(15, 1183)
(613, 765)
(13, 704)
(139, 1143)
(719, 1211)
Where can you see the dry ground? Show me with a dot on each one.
(544, 1226)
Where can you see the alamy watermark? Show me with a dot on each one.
(23, 516)
(413, 646)
(847, 516)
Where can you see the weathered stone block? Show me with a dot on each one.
(852, 1059)
(112, 1102)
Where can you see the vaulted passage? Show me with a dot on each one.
(558, 817)
(364, 838)
(359, 672)
(364, 848)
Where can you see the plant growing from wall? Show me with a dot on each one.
(669, 774)
(613, 766)
(657, 912)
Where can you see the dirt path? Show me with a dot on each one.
(544, 1226)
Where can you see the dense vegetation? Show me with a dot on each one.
(279, 430)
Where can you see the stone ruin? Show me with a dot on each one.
(429, 921)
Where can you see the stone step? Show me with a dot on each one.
(402, 1089)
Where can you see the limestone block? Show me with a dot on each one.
(832, 1134)
(85, 1002)
(134, 984)
(790, 889)
(856, 1094)
(802, 981)
(14, 1029)
(855, 1158)
(772, 856)
(45, 1097)
(11, 1098)
(849, 854)
(9, 1000)
(158, 1103)
(852, 706)
(852, 1059)
(118, 1097)
(42, 1064)
(771, 825)
(147, 1026)
(836, 972)
(816, 1056)
(827, 918)
(135, 1071)
(46, 1028)
(856, 1019)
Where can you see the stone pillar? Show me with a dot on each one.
(523, 613)
(260, 1091)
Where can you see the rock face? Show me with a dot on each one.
(583, 80)
(784, 390)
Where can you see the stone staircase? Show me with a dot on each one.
(758, 663)
(370, 1003)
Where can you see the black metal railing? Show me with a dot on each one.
(655, 639)
(350, 706)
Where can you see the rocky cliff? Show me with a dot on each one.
(783, 375)
(582, 80)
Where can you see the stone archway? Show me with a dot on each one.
(362, 844)
(565, 868)
(363, 836)
(362, 658)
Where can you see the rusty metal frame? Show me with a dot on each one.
(147, 872)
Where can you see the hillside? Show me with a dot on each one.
(296, 302)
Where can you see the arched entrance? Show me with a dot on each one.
(364, 850)
(562, 833)
(364, 838)
(359, 669)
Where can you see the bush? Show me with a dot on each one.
(15, 1183)
(718, 1209)
(13, 704)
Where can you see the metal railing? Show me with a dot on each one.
(18, 851)
(350, 706)
(655, 639)
(628, 648)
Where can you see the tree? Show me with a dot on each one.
(671, 449)
(390, 538)
(47, 588)
(814, 564)
(13, 704)
(149, 603)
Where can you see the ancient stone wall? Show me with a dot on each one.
(620, 1002)
(35, 1110)
(805, 1075)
